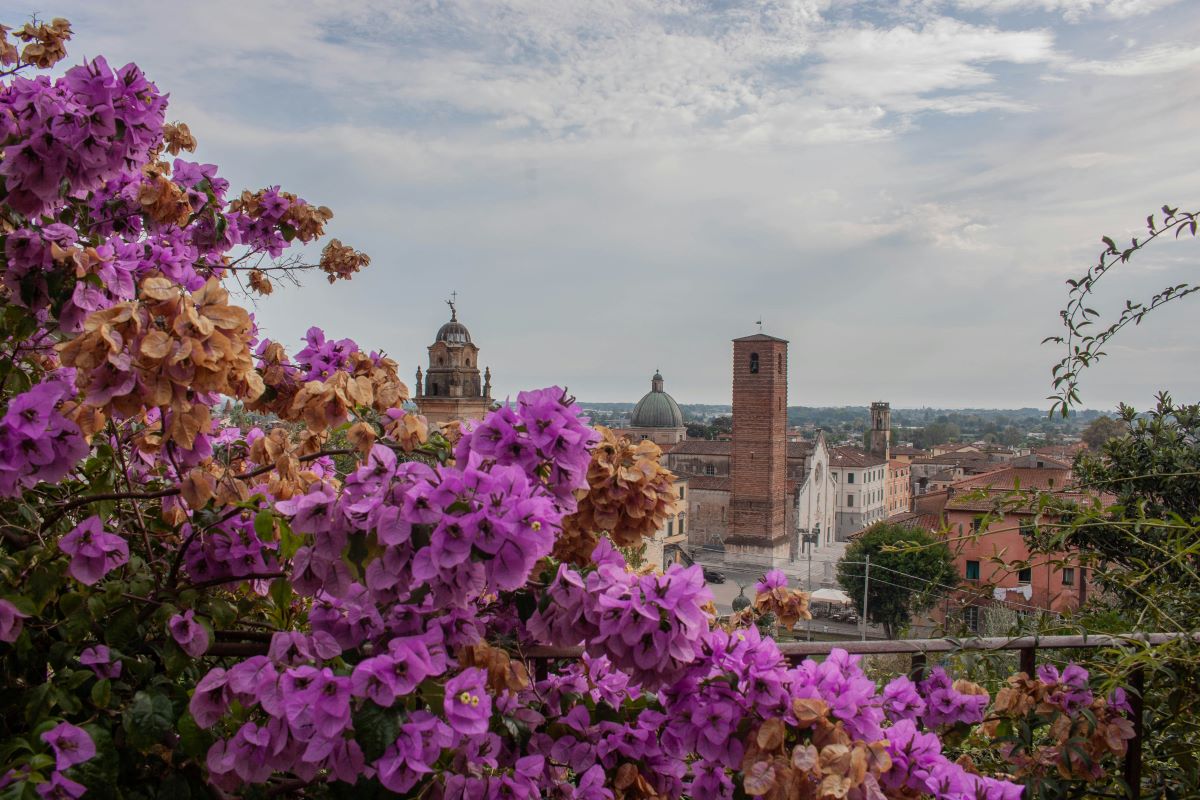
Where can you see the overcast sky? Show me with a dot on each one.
(611, 186)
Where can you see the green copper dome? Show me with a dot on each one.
(657, 409)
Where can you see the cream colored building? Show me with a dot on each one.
(670, 539)
(861, 479)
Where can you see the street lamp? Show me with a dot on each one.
(810, 539)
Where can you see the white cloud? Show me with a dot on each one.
(896, 67)
(1157, 60)
(942, 226)
(625, 184)
(1071, 10)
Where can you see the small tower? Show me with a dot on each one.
(758, 463)
(881, 430)
(452, 387)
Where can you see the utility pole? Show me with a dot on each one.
(866, 586)
(810, 539)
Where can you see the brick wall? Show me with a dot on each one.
(708, 514)
(758, 464)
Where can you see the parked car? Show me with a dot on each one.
(712, 576)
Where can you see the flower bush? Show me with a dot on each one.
(195, 609)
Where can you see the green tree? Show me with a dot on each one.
(1141, 549)
(1011, 435)
(908, 566)
(1100, 430)
(1142, 545)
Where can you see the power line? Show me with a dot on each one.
(965, 590)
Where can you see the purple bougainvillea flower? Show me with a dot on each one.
(468, 705)
(60, 787)
(211, 699)
(775, 579)
(93, 551)
(71, 745)
(1120, 701)
(900, 700)
(188, 633)
(99, 658)
(10, 621)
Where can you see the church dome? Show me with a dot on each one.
(657, 409)
(453, 332)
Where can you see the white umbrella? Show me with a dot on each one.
(831, 596)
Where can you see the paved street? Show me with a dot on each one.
(822, 628)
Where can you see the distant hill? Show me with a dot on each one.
(900, 416)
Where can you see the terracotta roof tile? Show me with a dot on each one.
(984, 492)
(716, 447)
(853, 457)
(702, 447)
(708, 483)
(760, 337)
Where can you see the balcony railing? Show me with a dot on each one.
(919, 649)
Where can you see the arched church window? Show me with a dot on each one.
(754, 362)
(779, 363)
(441, 361)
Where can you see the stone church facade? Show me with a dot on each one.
(452, 388)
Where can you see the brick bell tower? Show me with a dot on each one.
(758, 464)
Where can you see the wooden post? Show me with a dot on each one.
(1028, 660)
(919, 667)
(1133, 751)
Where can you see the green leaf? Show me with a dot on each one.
(281, 593)
(35, 700)
(102, 693)
(121, 629)
(375, 729)
(222, 612)
(289, 542)
(264, 525)
(148, 720)
(193, 740)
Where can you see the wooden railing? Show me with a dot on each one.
(919, 649)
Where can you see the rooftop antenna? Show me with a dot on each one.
(453, 311)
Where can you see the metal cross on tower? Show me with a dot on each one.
(450, 302)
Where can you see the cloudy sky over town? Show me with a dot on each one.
(898, 188)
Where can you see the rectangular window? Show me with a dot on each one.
(849, 477)
(1025, 576)
(1068, 576)
(1027, 527)
(976, 524)
(681, 492)
(971, 618)
(670, 527)
(972, 570)
(849, 501)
